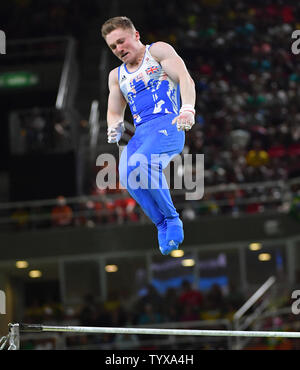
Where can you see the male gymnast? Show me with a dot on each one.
(153, 80)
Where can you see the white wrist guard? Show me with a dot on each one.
(187, 108)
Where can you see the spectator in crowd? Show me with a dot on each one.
(20, 218)
(125, 207)
(89, 311)
(153, 297)
(171, 307)
(214, 298)
(190, 297)
(189, 313)
(149, 315)
(62, 214)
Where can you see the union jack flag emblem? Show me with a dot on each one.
(151, 70)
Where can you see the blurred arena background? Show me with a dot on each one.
(74, 255)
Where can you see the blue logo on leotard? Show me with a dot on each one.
(142, 97)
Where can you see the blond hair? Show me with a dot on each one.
(114, 23)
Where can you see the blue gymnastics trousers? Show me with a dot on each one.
(141, 166)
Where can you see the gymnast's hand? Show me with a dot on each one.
(186, 118)
(115, 132)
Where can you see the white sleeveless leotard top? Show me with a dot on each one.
(149, 91)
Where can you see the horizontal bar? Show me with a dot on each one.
(146, 331)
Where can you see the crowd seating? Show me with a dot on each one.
(182, 306)
(239, 55)
(185, 306)
(247, 121)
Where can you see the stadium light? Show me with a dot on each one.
(21, 264)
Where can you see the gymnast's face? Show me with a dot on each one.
(125, 44)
